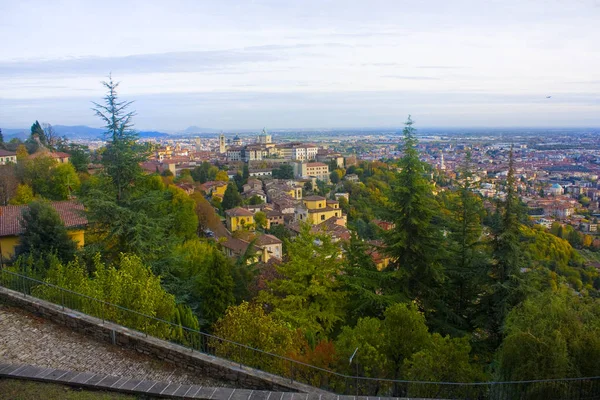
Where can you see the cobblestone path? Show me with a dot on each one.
(27, 339)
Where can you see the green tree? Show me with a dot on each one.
(217, 288)
(232, 197)
(23, 195)
(122, 157)
(307, 294)
(80, 156)
(285, 171)
(37, 173)
(248, 324)
(44, 233)
(64, 181)
(260, 218)
(415, 243)
(222, 176)
(468, 260)
(367, 288)
(445, 359)
(505, 269)
(553, 334)
(335, 177)
(384, 345)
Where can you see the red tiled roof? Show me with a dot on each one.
(239, 212)
(70, 212)
(5, 153)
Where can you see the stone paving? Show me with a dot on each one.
(27, 339)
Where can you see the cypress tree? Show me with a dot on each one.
(232, 197)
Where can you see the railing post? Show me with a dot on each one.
(62, 299)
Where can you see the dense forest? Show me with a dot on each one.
(473, 291)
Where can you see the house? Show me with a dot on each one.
(351, 178)
(274, 217)
(60, 157)
(7, 157)
(214, 188)
(266, 247)
(317, 209)
(385, 225)
(70, 212)
(239, 218)
(307, 169)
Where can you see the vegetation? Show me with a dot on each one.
(469, 291)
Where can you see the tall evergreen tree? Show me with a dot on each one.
(232, 197)
(367, 288)
(507, 255)
(123, 155)
(415, 243)
(44, 233)
(465, 267)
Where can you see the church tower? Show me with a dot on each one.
(222, 147)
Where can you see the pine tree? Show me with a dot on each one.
(465, 267)
(507, 254)
(217, 288)
(123, 155)
(367, 288)
(44, 233)
(415, 244)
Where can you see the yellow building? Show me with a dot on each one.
(70, 212)
(214, 188)
(318, 209)
(239, 218)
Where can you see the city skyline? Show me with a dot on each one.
(304, 65)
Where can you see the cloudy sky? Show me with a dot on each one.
(303, 64)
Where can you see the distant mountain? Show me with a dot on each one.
(76, 132)
(79, 132)
(152, 134)
(197, 129)
(15, 133)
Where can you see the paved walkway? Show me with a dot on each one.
(27, 339)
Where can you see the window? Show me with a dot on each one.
(336, 214)
(323, 217)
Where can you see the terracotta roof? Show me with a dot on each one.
(265, 240)
(238, 246)
(314, 198)
(5, 153)
(70, 212)
(316, 164)
(239, 212)
(56, 154)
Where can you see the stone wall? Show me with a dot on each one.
(201, 363)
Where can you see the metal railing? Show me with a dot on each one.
(194, 340)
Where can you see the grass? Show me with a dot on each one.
(13, 389)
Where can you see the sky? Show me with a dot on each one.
(302, 63)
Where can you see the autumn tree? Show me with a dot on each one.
(8, 183)
(249, 325)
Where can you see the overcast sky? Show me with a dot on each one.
(305, 64)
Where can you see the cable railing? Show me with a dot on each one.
(294, 370)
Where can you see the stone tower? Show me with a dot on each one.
(222, 147)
